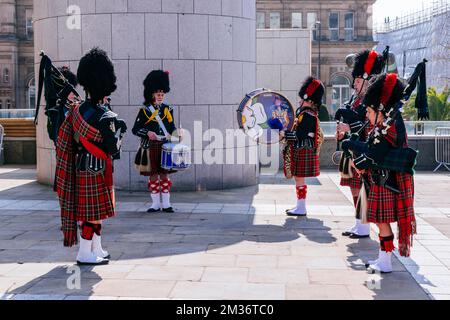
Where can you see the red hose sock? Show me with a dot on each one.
(355, 200)
(301, 191)
(166, 184)
(98, 229)
(153, 186)
(387, 243)
(87, 230)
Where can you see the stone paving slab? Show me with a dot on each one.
(428, 257)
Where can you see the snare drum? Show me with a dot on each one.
(175, 156)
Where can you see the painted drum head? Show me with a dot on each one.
(263, 113)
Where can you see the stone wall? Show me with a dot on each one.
(283, 60)
(19, 151)
(208, 46)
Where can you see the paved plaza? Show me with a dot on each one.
(232, 244)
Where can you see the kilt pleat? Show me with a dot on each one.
(94, 200)
(354, 183)
(305, 162)
(386, 206)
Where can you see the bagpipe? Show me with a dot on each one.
(57, 90)
(344, 114)
(355, 117)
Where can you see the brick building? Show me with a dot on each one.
(17, 84)
(344, 27)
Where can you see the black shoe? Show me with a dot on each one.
(347, 233)
(169, 209)
(295, 215)
(372, 271)
(151, 210)
(357, 236)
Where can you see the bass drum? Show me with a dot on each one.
(263, 113)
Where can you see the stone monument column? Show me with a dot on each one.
(208, 46)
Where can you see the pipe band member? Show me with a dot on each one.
(303, 142)
(148, 127)
(351, 119)
(86, 146)
(390, 193)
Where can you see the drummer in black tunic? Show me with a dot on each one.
(155, 126)
(304, 141)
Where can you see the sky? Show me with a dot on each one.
(393, 8)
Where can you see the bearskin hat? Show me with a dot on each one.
(96, 74)
(367, 64)
(69, 75)
(156, 80)
(384, 93)
(312, 89)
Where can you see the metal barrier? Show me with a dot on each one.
(2, 134)
(442, 147)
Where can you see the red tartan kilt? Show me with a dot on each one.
(384, 206)
(154, 156)
(305, 163)
(354, 183)
(94, 200)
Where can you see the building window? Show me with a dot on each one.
(1, 104)
(334, 26)
(311, 19)
(31, 92)
(275, 20)
(5, 75)
(296, 20)
(260, 20)
(8, 104)
(340, 92)
(349, 26)
(29, 24)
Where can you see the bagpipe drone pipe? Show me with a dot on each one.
(57, 89)
(398, 159)
(56, 92)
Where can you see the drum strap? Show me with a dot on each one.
(157, 117)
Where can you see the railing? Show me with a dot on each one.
(17, 113)
(329, 128)
(442, 147)
(412, 19)
(2, 133)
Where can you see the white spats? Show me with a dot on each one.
(299, 210)
(156, 201)
(166, 200)
(97, 247)
(361, 229)
(86, 256)
(383, 263)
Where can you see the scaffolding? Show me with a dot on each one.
(423, 34)
(412, 19)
